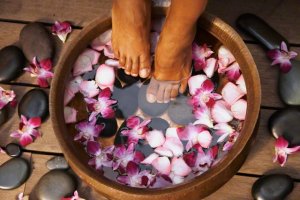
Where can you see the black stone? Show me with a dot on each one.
(180, 112)
(127, 79)
(285, 123)
(289, 84)
(34, 104)
(272, 187)
(152, 109)
(13, 149)
(57, 162)
(3, 115)
(54, 185)
(88, 76)
(14, 173)
(127, 98)
(110, 126)
(159, 124)
(120, 139)
(12, 62)
(36, 41)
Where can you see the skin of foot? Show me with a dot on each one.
(131, 21)
(173, 55)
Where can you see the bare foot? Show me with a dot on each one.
(131, 20)
(173, 60)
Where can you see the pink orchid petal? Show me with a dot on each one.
(105, 76)
(138, 156)
(150, 159)
(46, 64)
(175, 145)
(200, 53)
(162, 164)
(82, 64)
(99, 42)
(132, 168)
(190, 158)
(210, 67)
(239, 109)
(93, 148)
(25, 140)
(132, 122)
(70, 115)
(163, 151)
(220, 113)
(89, 88)
(61, 29)
(179, 167)
(42, 82)
(35, 122)
(204, 139)
(225, 58)
(195, 83)
(203, 116)
(283, 46)
(241, 84)
(285, 66)
(6, 96)
(233, 72)
(176, 179)
(231, 93)
(155, 138)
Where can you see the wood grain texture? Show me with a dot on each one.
(47, 142)
(282, 15)
(239, 188)
(12, 194)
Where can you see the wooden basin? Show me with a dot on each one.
(196, 188)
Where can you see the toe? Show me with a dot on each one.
(135, 67)
(174, 92)
(122, 60)
(152, 91)
(128, 66)
(167, 94)
(145, 66)
(160, 93)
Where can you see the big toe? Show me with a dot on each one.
(145, 66)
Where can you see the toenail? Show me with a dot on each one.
(167, 101)
(151, 98)
(126, 72)
(144, 73)
(134, 75)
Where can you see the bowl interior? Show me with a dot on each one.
(216, 33)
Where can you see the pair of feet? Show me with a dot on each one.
(131, 21)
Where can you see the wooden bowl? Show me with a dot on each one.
(196, 188)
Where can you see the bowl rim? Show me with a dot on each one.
(240, 148)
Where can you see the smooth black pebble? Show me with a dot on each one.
(57, 162)
(180, 112)
(3, 115)
(285, 123)
(13, 149)
(54, 185)
(12, 62)
(14, 173)
(90, 75)
(152, 109)
(110, 126)
(127, 98)
(34, 104)
(36, 41)
(127, 79)
(159, 124)
(272, 187)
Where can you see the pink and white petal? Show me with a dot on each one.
(132, 168)
(46, 64)
(273, 54)
(210, 67)
(163, 151)
(231, 93)
(155, 138)
(179, 167)
(99, 42)
(150, 159)
(280, 158)
(233, 72)
(132, 122)
(15, 134)
(220, 113)
(162, 164)
(204, 139)
(89, 88)
(92, 54)
(190, 158)
(285, 66)
(176, 179)
(105, 94)
(175, 145)
(35, 122)
(195, 83)
(228, 146)
(93, 148)
(225, 56)
(283, 46)
(241, 84)
(281, 143)
(292, 150)
(82, 64)
(292, 54)
(70, 115)
(123, 179)
(203, 116)
(42, 82)
(145, 123)
(138, 156)
(239, 109)
(25, 140)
